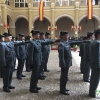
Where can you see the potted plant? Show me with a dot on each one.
(75, 47)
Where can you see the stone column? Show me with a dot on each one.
(12, 30)
(76, 17)
(4, 15)
(30, 18)
(52, 20)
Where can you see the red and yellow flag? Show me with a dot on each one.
(90, 9)
(41, 11)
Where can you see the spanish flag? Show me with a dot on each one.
(41, 11)
(90, 9)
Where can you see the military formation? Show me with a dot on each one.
(34, 53)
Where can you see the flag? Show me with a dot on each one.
(90, 9)
(41, 11)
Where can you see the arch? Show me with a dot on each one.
(20, 16)
(94, 15)
(64, 15)
(36, 17)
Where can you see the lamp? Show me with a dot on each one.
(76, 27)
(52, 27)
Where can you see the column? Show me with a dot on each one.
(30, 19)
(52, 20)
(4, 15)
(76, 17)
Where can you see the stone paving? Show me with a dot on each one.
(50, 86)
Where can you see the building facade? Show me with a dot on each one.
(21, 16)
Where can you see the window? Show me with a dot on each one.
(21, 3)
(7, 2)
(37, 2)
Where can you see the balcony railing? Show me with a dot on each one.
(47, 3)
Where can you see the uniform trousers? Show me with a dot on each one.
(7, 76)
(34, 76)
(63, 78)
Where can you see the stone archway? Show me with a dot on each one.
(21, 25)
(88, 25)
(42, 26)
(64, 23)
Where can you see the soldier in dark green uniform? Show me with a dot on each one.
(7, 55)
(35, 59)
(47, 36)
(65, 61)
(28, 67)
(95, 64)
(81, 54)
(1, 67)
(21, 56)
(86, 74)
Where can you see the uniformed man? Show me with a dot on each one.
(28, 67)
(35, 59)
(21, 56)
(47, 36)
(1, 67)
(14, 40)
(86, 57)
(81, 54)
(7, 54)
(65, 61)
(95, 64)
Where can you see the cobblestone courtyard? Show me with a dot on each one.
(50, 86)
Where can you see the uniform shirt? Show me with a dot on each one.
(65, 56)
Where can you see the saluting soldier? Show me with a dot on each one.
(47, 36)
(7, 54)
(1, 67)
(95, 64)
(28, 67)
(86, 74)
(65, 61)
(35, 59)
(14, 40)
(81, 54)
(21, 56)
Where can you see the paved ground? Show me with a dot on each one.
(50, 86)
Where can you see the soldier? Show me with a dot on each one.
(47, 36)
(14, 40)
(95, 64)
(81, 54)
(35, 59)
(28, 67)
(21, 56)
(1, 67)
(86, 57)
(64, 61)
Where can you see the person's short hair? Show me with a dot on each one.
(96, 33)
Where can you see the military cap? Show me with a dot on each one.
(21, 35)
(1, 36)
(7, 34)
(47, 33)
(63, 33)
(97, 32)
(35, 32)
(41, 33)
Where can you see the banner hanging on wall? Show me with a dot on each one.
(41, 11)
(90, 9)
